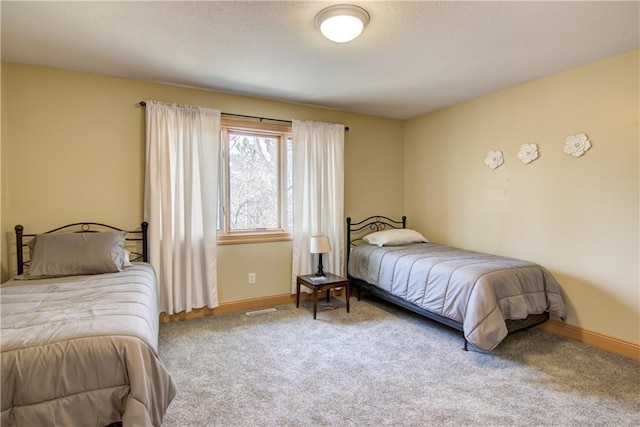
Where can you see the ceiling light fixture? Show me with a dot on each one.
(342, 23)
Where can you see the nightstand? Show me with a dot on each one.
(321, 283)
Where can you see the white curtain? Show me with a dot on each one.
(318, 195)
(181, 195)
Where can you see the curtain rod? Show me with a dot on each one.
(346, 128)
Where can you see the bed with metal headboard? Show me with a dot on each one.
(138, 254)
(79, 330)
(484, 296)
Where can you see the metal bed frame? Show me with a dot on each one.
(84, 227)
(355, 233)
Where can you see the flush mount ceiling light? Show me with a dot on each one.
(342, 23)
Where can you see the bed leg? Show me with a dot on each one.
(465, 348)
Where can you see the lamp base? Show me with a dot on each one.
(320, 272)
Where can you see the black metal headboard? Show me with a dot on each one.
(357, 230)
(86, 227)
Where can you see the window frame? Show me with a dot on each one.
(281, 131)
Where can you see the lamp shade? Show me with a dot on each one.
(342, 23)
(320, 245)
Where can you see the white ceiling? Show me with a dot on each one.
(413, 57)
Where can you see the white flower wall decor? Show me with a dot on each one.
(576, 145)
(494, 159)
(528, 153)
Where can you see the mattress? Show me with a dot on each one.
(83, 350)
(480, 291)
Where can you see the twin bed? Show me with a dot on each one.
(484, 296)
(80, 331)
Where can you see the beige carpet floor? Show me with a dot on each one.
(382, 366)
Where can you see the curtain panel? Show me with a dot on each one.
(318, 195)
(181, 194)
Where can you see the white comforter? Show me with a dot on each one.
(82, 351)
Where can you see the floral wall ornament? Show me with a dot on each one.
(576, 145)
(494, 159)
(528, 153)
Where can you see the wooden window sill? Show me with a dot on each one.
(253, 237)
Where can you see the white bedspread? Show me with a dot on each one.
(83, 351)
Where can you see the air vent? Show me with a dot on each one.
(266, 310)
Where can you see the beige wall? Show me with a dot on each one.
(74, 147)
(578, 217)
(73, 144)
(3, 181)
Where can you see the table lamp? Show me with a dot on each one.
(320, 245)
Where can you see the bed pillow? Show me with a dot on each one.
(70, 254)
(395, 237)
(127, 259)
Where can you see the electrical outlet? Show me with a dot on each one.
(252, 278)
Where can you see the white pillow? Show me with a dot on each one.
(394, 237)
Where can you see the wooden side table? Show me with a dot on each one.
(321, 283)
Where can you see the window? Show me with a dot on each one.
(256, 188)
